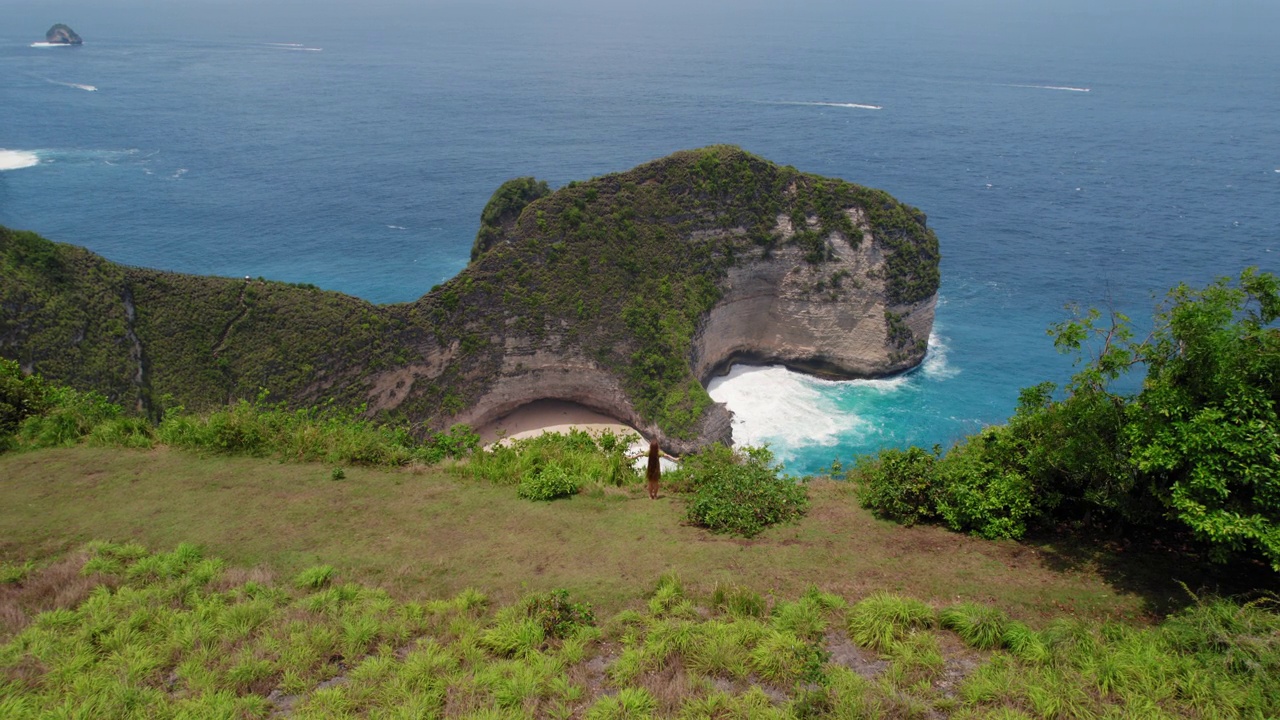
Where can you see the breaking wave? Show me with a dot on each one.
(17, 159)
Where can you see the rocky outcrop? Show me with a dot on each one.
(624, 294)
(62, 35)
(834, 320)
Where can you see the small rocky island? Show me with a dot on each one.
(60, 34)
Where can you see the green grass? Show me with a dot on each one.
(421, 530)
(179, 633)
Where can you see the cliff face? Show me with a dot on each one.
(625, 294)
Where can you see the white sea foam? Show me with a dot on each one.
(935, 363)
(17, 159)
(286, 44)
(396, 227)
(1064, 88)
(785, 409)
(49, 44)
(299, 47)
(852, 106)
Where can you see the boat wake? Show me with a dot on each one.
(78, 86)
(1064, 88)
(299, 47)
(851, 106)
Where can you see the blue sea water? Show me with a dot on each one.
(1092, 153)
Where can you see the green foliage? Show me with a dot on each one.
(547, 483)
(1196, 450)
(68, 417)
(504, 208)
(738, 492)
(558, 617)
(338, 474)
(555, 463)
(898, 485)
(21, 396)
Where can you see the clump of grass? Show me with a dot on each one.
(315, 577)
(881, 620)
(739, 601)
(627, 704)
(980, 626)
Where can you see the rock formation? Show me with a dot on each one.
(62, 35)
(624, 294)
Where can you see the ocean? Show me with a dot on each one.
(1093, 154)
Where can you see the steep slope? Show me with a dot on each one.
(624, 293)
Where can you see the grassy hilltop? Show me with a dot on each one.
(619, 269)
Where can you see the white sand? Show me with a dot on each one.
(546, 416)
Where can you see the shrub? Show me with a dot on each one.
(557, 615)
(548, 483)
(738, 493)
(70, 415)
(983, 489)
(21, 396)
(583, 458)
(898, 485)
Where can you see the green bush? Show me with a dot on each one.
(738, 493)
(70, 415)
(558, 616)
(898, 485)
(548, 483)
(583, 458)
(21, 396)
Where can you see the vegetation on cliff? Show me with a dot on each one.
(620, 270)
(1194, 453)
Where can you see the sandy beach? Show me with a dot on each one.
(550, 416)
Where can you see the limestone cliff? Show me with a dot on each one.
(624, 293)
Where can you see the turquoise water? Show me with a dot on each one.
(354, 148)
